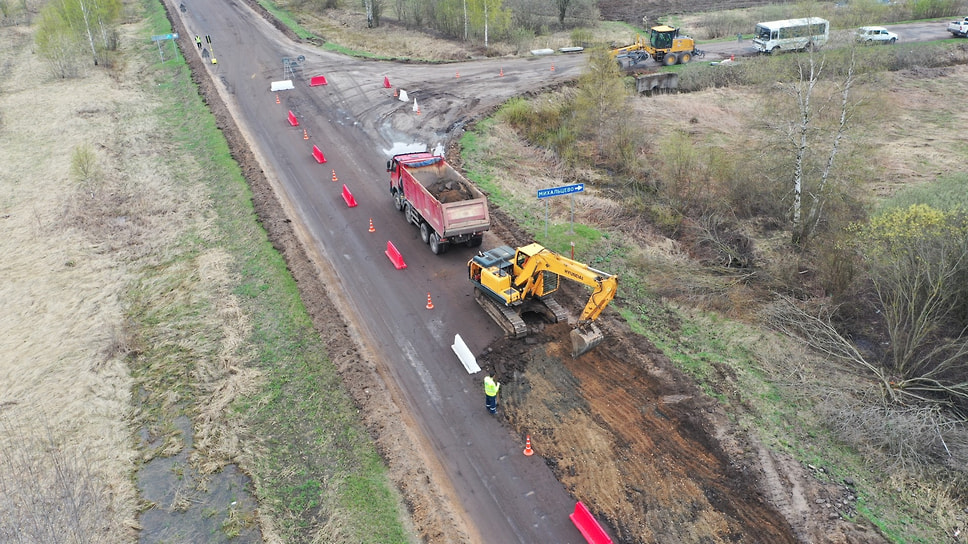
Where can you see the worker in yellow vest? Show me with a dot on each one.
(491, 388)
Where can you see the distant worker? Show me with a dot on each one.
(198, 41)
(491, 388)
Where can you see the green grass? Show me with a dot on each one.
(314, 460)
(947, 193)
(287, 19)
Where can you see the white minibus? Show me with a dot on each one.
(791, 34)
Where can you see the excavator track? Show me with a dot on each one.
(559, 312)
(507, 318)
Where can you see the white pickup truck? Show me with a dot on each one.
(959, 28)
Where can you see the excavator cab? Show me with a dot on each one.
(493, 271)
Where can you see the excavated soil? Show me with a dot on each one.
(448, 191)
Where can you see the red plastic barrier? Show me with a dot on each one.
(292, 119)
(348, 197)
(318, 155)
(317, 80)
(395, 256)
(588, 526)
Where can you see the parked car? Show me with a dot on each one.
(959, 28)
(875, 34)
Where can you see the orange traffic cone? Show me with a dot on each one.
(371, 225)
(502, 72)
(395, 94)
(430, 304)
(527, 447)
(552, 67)
(277, 99)
(334, 176)
(418, 109)
(305, 135)
(457, 76)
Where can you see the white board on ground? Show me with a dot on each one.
(284, 85)
(464, 354)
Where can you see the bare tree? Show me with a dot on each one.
(804, 135)
(917, 258)
(562, 7)
(916, 262)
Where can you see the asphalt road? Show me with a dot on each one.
(357, 124)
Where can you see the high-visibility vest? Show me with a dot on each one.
(490, 387)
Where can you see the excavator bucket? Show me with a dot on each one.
(584, 338)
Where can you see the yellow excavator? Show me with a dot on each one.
(664, 44)
(510, 282)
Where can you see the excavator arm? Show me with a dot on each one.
(603, 294)
(530, 280)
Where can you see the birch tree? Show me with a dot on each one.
(807, 137)
(91, 22)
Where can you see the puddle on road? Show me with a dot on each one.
(192, 507)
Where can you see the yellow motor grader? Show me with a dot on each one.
(664, 44)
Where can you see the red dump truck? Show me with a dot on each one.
(435, 197)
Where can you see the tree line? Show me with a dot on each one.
(71, 30)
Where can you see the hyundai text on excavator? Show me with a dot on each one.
(664, 44)
(509, 282)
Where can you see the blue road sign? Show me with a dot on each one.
(563, 190)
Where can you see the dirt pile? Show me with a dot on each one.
(448, 190)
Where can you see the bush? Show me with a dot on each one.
(582, 37)
(933, 9)
(724, 24)
(85, 169)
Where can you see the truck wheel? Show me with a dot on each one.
(397, 202)
(685, 58)
(425, 233)
(669, 59)
(475, 241)
(435, 246)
